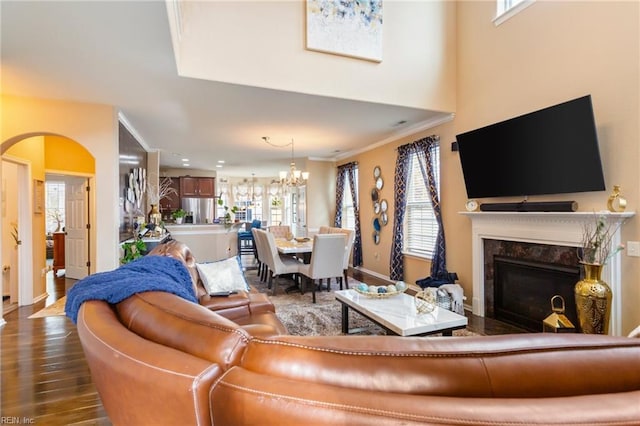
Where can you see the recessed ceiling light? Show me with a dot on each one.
(185, 164)
(218, 165)
(185, 160)
(221, 161)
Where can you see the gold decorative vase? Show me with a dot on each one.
(155, 216)
(593, 301)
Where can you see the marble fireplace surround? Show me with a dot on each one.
(550, 228)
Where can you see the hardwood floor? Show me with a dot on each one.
(45, 377)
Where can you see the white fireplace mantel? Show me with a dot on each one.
(551, 228)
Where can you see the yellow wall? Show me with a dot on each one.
(32, 151)
(63, 154)
(549, 53)
(93, 126)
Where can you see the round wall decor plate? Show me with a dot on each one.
(379, 183)
(376, 207)
(376, 172)
(374, 195)
(376, 237)
(384, 218)
(383, 205)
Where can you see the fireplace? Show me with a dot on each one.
(558, 233)
(523, 291)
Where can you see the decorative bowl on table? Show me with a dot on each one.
(378, 291)
(302, 239)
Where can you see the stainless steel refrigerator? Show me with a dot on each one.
(199, 210)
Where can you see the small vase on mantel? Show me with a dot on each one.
(593, 300)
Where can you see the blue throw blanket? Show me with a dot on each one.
(149, 273)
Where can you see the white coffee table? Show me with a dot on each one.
(398, 314)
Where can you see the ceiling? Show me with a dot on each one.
(120, 53)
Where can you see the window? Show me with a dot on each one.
(508, 8)
(54, 206)
(275, 210)
(421, 227)
(348, 211)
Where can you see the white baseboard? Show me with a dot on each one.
(375, 274)
(43, 296)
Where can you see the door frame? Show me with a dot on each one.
(25, 229)
(91, 233)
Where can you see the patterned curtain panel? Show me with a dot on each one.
(348, 171)
(423, 150)
(396, 264)
(342, 172)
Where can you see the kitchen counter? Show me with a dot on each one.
(208, 242)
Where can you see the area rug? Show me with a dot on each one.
(301, 317)
(55, 309)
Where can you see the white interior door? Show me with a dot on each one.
(76, 256)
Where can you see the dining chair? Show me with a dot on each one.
(350, 238)
(324, 229)
(280, 231)
(327, 260)
(260, 253)
(277, 264)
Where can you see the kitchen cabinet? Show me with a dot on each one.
(203, 187)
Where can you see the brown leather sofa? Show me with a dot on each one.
(157, 359)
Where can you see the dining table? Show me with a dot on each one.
(300, 248)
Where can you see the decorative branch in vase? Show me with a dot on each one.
(155, 193)
(596, 242)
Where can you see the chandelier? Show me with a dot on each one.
(293, 177)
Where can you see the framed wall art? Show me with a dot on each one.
(38, 196)
(348, 28)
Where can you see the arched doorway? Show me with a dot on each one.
(37, 155)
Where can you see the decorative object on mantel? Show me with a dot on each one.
(348, 28)
(472, 205)
(593, 295)
(616, 202)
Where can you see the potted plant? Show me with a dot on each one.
(133, 250)
(179, 215)
(227, 219)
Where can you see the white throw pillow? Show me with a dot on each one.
(222, 276)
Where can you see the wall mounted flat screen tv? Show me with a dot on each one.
(550, 151)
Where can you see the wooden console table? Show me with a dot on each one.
(58, 251)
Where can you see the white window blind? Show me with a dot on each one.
(420, 225)
(508, 8)
(348, 211)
